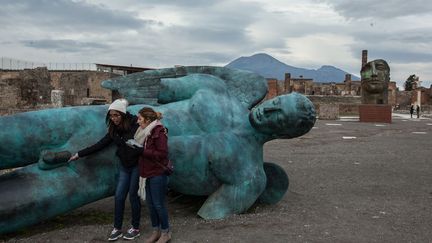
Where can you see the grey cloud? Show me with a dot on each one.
(183, 3)
(209, 35)
(64, 45)
(380, 9)
(68, 14)
(224, 25)
(390, 52)
(401, 56)
(419, 36)
(213, 57)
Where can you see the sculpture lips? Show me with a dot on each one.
(374, 81)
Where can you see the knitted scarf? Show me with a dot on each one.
(141, 134)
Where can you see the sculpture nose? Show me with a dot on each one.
(374, 71)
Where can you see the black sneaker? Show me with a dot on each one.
(115, 235)
(131, 234)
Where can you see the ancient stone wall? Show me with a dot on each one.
(328, 112)
(30, 89)
(392, 94)
(35, 87)
(79, 85)
(334, 99)
(24, 90)
(9, 94)
(342, 105)
(403, 99)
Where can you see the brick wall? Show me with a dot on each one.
(272, 88)
(375, 113)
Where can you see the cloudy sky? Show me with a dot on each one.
(162, 33)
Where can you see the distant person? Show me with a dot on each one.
(418, 111)
(412, 110)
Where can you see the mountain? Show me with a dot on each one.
(270, 67)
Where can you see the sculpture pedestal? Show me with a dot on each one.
(375, 113)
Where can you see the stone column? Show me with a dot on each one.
(364, 58)
(288, 83)
(419, 97)
(57, 98)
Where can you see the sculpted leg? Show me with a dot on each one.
(30, 195)
(26, 136)
(234, 199)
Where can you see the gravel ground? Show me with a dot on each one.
(349, 182)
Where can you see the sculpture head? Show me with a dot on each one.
(285, 116)
(375, 76)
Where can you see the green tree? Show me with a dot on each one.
(409, 83)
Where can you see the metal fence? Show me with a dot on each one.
(16, 64)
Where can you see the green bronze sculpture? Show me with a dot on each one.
(375, 77)
(216, 134)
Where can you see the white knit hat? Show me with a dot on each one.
(119, 105)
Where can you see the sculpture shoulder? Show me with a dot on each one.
(215, 112)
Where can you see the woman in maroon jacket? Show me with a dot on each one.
(153, 163)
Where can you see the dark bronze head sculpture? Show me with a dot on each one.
(375, 77)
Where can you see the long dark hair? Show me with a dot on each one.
(125, 123)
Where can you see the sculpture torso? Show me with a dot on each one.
(209, 136)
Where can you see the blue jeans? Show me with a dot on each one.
(128, 181)
(156, 189)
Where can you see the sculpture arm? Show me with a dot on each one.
(182, 88)
(149, 87)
